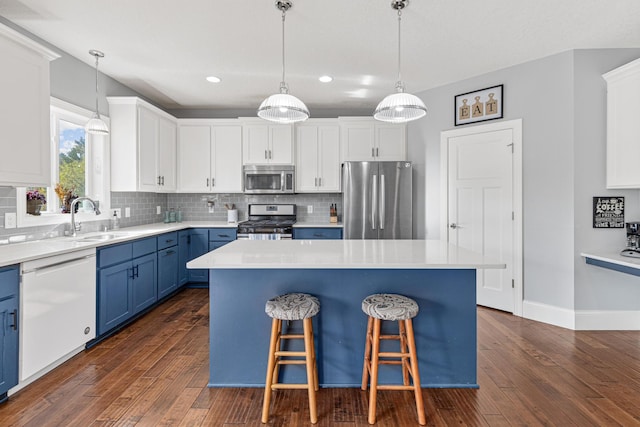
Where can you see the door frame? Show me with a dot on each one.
(516, 127)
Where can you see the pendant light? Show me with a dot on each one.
(400, 107)
(282, 107)
(96, 125)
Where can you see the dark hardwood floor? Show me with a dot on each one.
(154, 373)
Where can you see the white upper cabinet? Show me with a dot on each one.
(318, 156)
(209, 156)
(143, 146)
(24, 111)
(623, 126)
(366, 139)
(264, 143)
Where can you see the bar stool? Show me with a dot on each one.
(399, 308)
(293, 306)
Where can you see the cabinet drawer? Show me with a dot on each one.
(167, 240)
(222, 234)
(144, 246)
(114, 254)
(317, 233)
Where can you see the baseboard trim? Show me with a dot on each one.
(582, 320)
(550, 314)
(600, 320)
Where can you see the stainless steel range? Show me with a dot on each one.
(268, 222)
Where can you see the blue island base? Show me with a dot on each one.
(445, 327)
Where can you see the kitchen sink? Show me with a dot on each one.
(102, 237)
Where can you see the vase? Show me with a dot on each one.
(33, 207)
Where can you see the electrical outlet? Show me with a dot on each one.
(158, 210)
(309, 208)
(10, 220)
(127, 212)
(117, 211)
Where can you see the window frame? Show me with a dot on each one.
(97, 158)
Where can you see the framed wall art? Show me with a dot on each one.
(608, 212)
(479, 105)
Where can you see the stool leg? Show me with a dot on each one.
(402, 333)
(374, 371)
(278, 347)
(315, 363)
(414, 372)
(275, 327)
(366, 366)
(308, 349)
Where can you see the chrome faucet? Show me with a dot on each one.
(76, 227)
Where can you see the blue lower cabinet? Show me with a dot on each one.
(145, 278)
(167, 271)
(127, 281)
(9, 305)
(115, 296)
(334, 233)
(183, 257)
(199, 245)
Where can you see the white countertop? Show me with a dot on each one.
(385, 254)
(613, 257)
(16, 253)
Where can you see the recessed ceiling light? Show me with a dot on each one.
(325, 79)
(213, 79)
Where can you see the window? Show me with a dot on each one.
(79, 167)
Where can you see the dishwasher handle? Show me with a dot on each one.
(58, 264)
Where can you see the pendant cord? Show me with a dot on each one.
(283, 84)
(399, 19)
(97, 112)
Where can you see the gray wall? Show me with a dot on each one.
(561, 100)
(597, 288)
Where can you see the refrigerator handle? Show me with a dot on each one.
(374, 202)
(382, 202)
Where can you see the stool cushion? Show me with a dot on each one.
(294, 306)
(390, 307)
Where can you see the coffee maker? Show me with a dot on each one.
(633, 240)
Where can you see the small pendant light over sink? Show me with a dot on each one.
(400, 107)
(96, 125)
(282, 107)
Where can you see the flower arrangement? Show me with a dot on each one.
(36, 195)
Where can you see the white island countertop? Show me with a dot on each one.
(326, 254)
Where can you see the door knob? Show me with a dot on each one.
(453, 225)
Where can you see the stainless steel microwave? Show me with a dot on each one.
(269, 179)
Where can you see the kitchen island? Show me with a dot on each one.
(441, 278)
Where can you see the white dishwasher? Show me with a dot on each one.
(57, 310)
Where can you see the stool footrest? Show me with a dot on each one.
(291, 336)
(395, 387)
(290, 353)
(389, 337)
(281, 386)
(291, 362)
(391, 354)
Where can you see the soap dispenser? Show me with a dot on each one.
(115, 222)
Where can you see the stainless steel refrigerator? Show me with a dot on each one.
(377, 200)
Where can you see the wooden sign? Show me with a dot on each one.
(479, 106)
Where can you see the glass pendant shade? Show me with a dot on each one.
(400, 107)
(283, 108)
(97, 126)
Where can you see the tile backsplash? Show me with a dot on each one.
(194, 207)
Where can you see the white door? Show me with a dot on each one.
(167, 150)
(148, 150)
(281, 144)
(481, 212)
(307, 159)
(329, 159)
